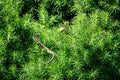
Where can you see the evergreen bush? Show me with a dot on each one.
(87, 49)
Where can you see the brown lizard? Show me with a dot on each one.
(35, 38)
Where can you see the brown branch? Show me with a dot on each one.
(35, 38)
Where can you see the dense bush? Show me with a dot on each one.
(87, 50)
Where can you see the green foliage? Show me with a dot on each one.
(87, 50)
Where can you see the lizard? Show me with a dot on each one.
(35, 38)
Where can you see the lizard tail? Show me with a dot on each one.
(53, 55)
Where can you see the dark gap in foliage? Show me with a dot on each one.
(67, 14)
(116, 15)
(21, 44)
(51, 8)
(110, 1)
(7, 74)
(3, 26)
(94, 57)
(115, 30)
(95, 4)
(115, 12)
(108, 47)
(94, 60)
(25, 7)
(29, 5)
(86, 45)
(35, 14)
(65, 10)
(25, 38)
(2, 21)
(109, 71)
(86, 67)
